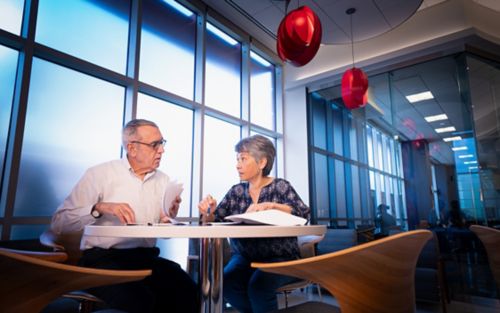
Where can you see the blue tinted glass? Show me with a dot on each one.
(20, 232)
(11, 15)
(8, 64)
(73, 121)
(322, 193)
(223, 72)
(94, 30)
(176, 126)
(261, 91)
(219, 164)
(167, 48)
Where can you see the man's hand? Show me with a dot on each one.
(174, 209)
(121, 210)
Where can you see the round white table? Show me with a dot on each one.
(211, 247)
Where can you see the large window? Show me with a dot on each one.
(96, 31)
(262, 91)
(168, 41)
(11, 15)
(64, 135)
(354, 167)
(92, 65)
(8, 65)
(220, 157)
(176, 124)
(223, 72)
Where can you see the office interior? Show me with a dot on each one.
(73, 72)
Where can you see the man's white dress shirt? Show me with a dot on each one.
(112, 181)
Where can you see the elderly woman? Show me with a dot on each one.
(247, 289)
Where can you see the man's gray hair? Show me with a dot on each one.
(130, 130)
(259, 147)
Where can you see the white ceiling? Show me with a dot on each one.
(384, 30)
(371, 18)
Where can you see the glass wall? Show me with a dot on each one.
(357, 161)
(426, 146)
(88, 67)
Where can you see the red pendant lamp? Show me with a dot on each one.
(354, 84)
(299, 36)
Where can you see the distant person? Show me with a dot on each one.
(247, 289)
(455, 217)
(384, 220)
(121, 192)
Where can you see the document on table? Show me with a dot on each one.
(172, 190)
(268, 217)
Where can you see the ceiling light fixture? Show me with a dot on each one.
(447, 139)
(433, 118)
(426, 95)
(465, 156)
(459, 148)
(470, 162)
(445, 129)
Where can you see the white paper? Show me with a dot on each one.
(269, 217)
(172, 190)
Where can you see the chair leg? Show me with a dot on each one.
(319, 292)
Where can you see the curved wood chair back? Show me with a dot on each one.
(490, 237)
(376, 277)
(68, 242)
(31, 281)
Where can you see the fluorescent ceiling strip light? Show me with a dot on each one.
(179, 7)
(257, 58)
(222, 35)
(426, 95)
(470, 162)
(445, 129)
(464, 156)
(459, 148)
(472, 167)
(452, 138)
(433, 118)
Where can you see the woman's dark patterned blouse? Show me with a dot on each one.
(238, 199)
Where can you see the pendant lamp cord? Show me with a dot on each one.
(352, 43)
(350, 12)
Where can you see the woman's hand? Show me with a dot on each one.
(255, 207)
(207, 206)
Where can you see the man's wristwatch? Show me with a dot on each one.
(95, 213)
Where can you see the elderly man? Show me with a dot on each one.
(124, 191)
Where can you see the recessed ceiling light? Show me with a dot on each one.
(426, 95)
(452, 138)
(445, 129)
(470, 162)
(433, 118)
(465, 156)
(459, 148)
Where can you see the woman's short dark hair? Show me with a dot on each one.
(259, 147)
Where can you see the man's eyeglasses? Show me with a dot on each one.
(155, 144)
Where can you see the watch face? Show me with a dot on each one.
(95, 213)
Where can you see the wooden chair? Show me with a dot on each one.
(31, 281)
(375, 277)
(69, 243)
(307, 250)
(490, 237)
